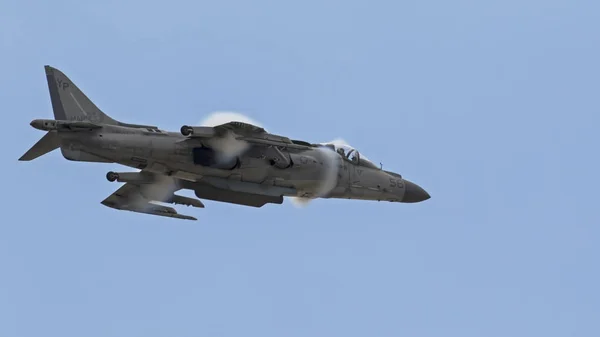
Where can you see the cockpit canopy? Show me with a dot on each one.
(351, 154)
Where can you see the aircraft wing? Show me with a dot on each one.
(129, 197)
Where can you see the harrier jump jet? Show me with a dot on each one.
(235, 162)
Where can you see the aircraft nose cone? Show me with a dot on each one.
(414, 192)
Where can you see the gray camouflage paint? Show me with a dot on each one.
(268, 167)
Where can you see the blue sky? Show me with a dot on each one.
(492, 106)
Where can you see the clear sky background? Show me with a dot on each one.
(492, 106)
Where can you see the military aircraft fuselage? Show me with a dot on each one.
(170, 153)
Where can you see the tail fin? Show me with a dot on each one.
(48, 143)
(71, 104)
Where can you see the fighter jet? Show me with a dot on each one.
(235, 162)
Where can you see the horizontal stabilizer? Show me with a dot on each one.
(48, 143)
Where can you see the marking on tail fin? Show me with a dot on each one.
(62, 84)
(71, 107)
(57, 107)
(78, 105)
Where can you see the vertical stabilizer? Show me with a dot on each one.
(71, 104)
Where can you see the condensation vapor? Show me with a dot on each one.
(227, 147)
(160, 190)
(329, 178)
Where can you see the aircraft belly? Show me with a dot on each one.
(247, 187)
(128, 149)
(254, 174)
(82, 148)
(239, 198)
(79, 155)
